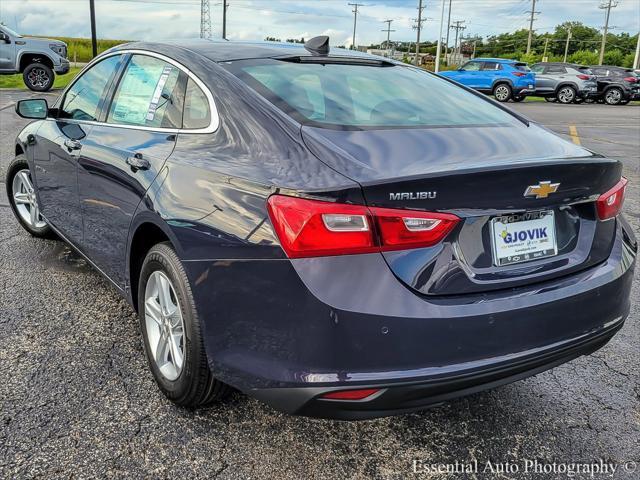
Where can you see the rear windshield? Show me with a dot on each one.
(522, 66)
(351, 96)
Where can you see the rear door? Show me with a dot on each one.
(59, 147)
(123, 154)
(491, 72)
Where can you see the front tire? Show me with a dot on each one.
(23, 200)
(502, 92)
(566, 95)
(172, 332)
(38, 77)
(613, 96)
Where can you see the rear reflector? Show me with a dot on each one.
(350, 394)
(312, 228)
(610, 202)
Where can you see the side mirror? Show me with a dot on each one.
(4, 38)
(461, 69)
(36, 108)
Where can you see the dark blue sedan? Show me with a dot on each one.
(333, 233)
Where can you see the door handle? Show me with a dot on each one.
(136, 162)
(72, 144)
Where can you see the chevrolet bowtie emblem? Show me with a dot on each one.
(542, 190)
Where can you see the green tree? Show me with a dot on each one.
(584, 57)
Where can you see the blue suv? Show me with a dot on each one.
(504, 79)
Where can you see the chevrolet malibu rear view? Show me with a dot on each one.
(332, 233)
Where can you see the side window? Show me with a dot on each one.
(149, 95)
(472, 66)
(83, 100)
(491, 66)
(537, 68)
(556, 69)
(196, 107)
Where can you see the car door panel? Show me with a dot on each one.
(7, 55)
(55, 174)
(110, 189)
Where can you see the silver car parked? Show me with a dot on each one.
(564, 82)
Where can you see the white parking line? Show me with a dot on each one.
(11, 104)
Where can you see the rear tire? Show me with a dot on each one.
(172, 332)
(38, 77)
(502, 92)
(566, 94)
(23, 200)
(613, 96)
(518, 98)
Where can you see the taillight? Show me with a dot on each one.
(518, 74)
(351, 394)
(312, 228)
(404, 229)
(583, 77)
(610, 202)
(630, 79)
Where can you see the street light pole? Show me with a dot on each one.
(94, 41)
(636, 60)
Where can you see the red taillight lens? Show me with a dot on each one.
(351, 394)
(309, 228)
(518, 74)
(630, 79)
(583, 77)
(404, 229)
(610, 202)
(312, 228)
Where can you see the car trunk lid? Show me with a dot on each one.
(480, 174)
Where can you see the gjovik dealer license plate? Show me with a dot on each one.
(523, 237)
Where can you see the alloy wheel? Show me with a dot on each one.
(24, 198)
(502, 93)
(164, 325)
(613, 96)
(566, 95)
(38, 77)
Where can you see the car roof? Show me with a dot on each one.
(225, 51)
(497, 60)
(565, 64)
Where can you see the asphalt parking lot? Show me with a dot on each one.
(77, 400)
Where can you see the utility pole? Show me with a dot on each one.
(546, 44)
(457, 27)
(388, 30)
(566, 45)
(355, 21)
(636, 60)
(531, 19)
(418, 27)
(608, 8)
(205, 20)
(94, 41)
(439, 48)
(224, 19)
(446, 42)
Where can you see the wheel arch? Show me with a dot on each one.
(27, 58)
(501, 80)
(148, 230)
(567, 84)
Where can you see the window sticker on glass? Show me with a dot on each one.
(151, 112)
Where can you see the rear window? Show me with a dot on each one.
(521, 66)
(357, 96)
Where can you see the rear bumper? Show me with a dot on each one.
(288, 331)
(399, 398)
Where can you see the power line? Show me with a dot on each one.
(457, 27)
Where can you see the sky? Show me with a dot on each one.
(257, 19)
